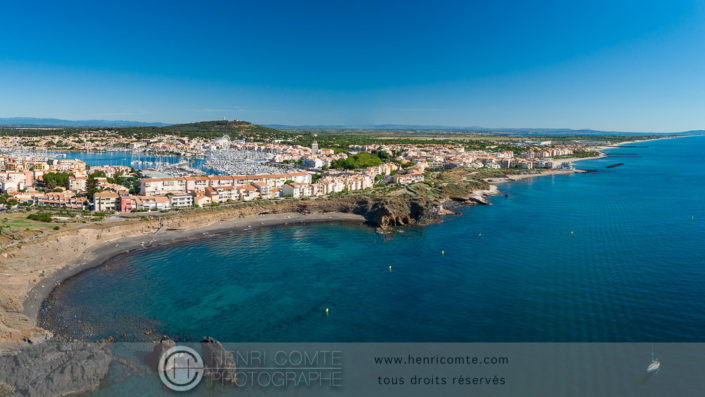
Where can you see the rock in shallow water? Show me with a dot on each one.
(152, 359)
(219, 363)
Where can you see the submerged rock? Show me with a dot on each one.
(55, 369)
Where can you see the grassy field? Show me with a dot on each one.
(15, 226)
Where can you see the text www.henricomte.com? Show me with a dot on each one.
(440, 360)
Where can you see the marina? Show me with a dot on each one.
(224, 161)
(241, 162)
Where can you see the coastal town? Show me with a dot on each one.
(31, 176)
(352, 198)
(64, 208)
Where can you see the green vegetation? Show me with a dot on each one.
(40, 216)
(92, 184)
(56, 179)
(384, 156)
(360, 160)
(18, 225)
(130, 182)
(209, 130)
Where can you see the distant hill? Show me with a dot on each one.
(211, 129)
(205, 129)
(29, 122)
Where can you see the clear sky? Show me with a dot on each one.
(611, 65)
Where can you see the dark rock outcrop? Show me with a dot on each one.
(55, 369)
(402, 212)
(380, 212)
(152, 359)
(219, 363)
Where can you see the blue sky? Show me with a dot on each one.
(610, 65)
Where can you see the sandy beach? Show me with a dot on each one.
(32, 271)
(101, 253)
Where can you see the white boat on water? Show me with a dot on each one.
(655, 364)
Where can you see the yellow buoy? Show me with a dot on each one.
(326, 311)
(390, 268)
(443, 252)
(571, 232)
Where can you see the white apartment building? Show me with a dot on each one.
(180, 200)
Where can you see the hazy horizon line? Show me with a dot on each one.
(7, 122)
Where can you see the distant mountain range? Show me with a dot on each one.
(471, 129)
(48, 123)
(212, 126)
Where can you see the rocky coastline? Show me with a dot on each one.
(32, 270)
(40, 266)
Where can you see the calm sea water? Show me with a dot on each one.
(618, 255)
(126, 159)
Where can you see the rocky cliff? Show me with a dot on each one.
(401, 212)
(380, 212)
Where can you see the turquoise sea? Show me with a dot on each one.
(617, 255)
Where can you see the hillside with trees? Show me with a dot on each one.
(360, 160)
(210, 129)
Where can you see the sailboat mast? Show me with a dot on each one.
(652, 352)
